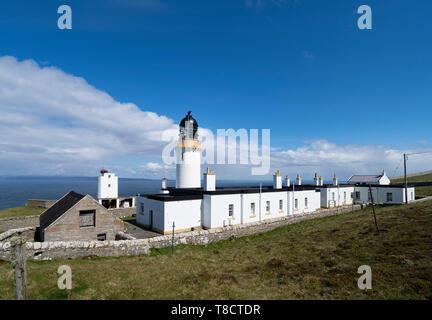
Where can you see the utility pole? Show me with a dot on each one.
(18, 259)
(172, 240)
(373, 207)
(406, 180)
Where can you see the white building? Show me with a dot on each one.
(108, 192)
(391, 194)
(189, 206)
(381, 179)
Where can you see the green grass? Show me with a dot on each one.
(128, 219)
(315, 259)
(421, 178)
(425, 191)
(21, 212)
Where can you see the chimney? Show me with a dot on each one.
(321, 181)
(287, 181)
(164, 186)
(209, 180)
(317, 182)
(335, 180)
(298, 180)
(277, 180)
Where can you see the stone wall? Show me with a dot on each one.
(79, 249)
(40, 203)
(18, 222)
(27, 232)
(123, 212)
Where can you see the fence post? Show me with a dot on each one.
(18, 260)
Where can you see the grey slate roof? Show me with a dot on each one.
(365, 178)
(59, 208)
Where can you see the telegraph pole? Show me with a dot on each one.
(172, 240)
(405, 178)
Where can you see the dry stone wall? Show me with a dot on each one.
(18, 222)
(79, 249)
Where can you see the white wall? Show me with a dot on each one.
(188, 169)
(380, 194)
(216, 210)
(339, 196)
(107, 186)
(314, 201)
(186, 214)
(143, 217)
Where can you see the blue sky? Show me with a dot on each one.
(299, 67)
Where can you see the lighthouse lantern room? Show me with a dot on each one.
(188, 155)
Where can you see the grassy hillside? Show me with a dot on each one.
(316, 259)
(420, 191)
(420, 178)
(20, 212)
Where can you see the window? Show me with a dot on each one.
(268, 206)
(357, 195)
(231, 210)
(109, 185)
(101, 237)
(296, 203)
(109, 176)
(333, 196)
(345, 195)
(87, 218)
(306, 202)
(253, 208)
(352, 195)
(142, 208)
(280, 204)
(389, 197)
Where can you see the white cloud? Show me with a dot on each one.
(55, 123)
(327, 158)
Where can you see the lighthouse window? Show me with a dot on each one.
(231, 210)
(252, 208)
(268, 206)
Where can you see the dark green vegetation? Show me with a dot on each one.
(21, 212)
(420, 191)
(315, 259)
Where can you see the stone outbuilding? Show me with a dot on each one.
(78, 217)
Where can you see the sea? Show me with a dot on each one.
(14, 191)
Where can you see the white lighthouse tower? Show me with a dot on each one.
(107, 185)
(188, 155)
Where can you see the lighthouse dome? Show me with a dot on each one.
(189, 127)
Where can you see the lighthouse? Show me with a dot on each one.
(188, 155)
